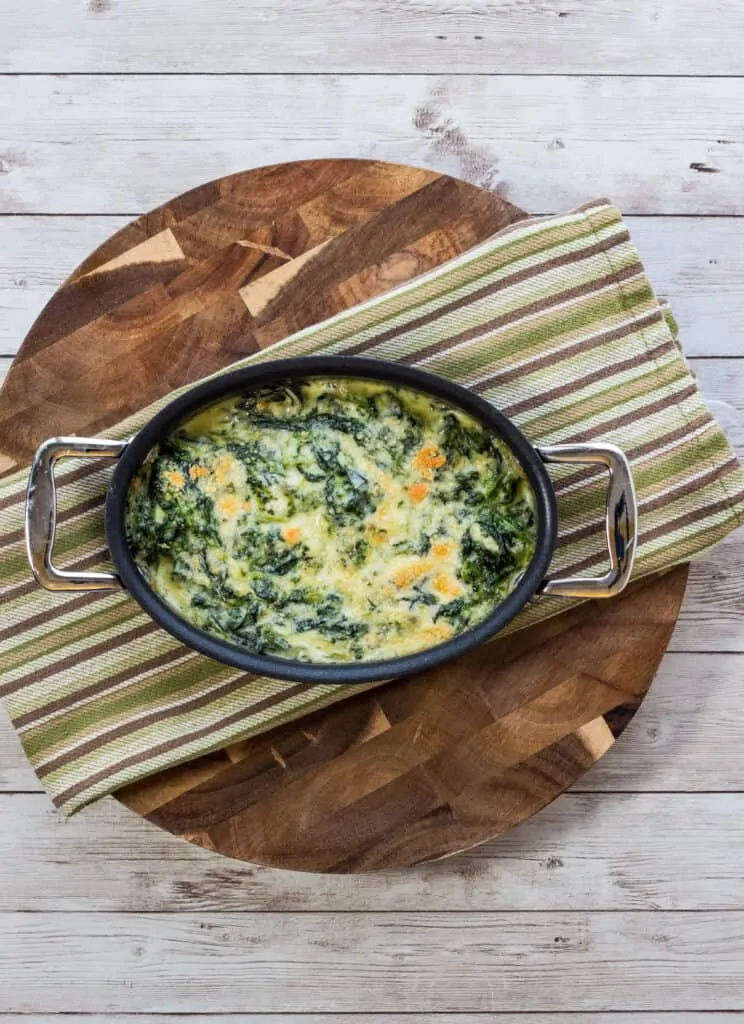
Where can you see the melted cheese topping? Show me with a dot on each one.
(332, 520)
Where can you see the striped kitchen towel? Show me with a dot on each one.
(552, 320)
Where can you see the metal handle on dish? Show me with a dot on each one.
(41, 512)
(621, 520)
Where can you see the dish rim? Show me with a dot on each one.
(349, 673)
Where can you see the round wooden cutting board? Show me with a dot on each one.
(414, 770)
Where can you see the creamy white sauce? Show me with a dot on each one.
(332, 521)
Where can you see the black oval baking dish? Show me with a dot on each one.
(41, 516)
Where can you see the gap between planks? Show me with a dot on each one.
(428, 73)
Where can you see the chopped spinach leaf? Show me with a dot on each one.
(331, 521)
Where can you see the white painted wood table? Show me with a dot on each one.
(623, 903)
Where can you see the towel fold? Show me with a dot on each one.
(553, 321)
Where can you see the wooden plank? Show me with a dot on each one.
(722, 383)
(374, 1018)
(581, 852)
(697, 263)
(281, 963)
(712, 616)
(123, 143)
(611, 37)
(5, 362)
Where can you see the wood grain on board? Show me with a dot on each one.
(667, 749)
(120, 144)
(620, 37)
(415, 770)
(172, 290)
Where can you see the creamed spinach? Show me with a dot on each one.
(331, 520)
